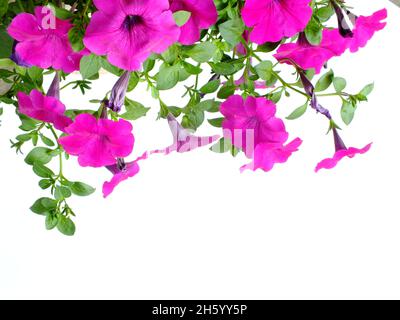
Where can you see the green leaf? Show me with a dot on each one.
(134, 110)
(226, 68)
(265, 70)
(181, 17)
(339, 84)
(208, 105)
(111, 68)
(44, 205)
(168, 77)
(133, 81)
(226, 91)
(210, 87)
(223, 146)
(45, 184)
(6, 43)
(3, 7)
(171, 54)
(325, 81)
(39, 155)
(61, 13)
(82, 189)
(232, 31)
(347, 112)
(298, 112)
(202, 52)
(51, 221)
(66, 226)
(191, 68)
(89, 66)
(48, 142)
(62, 193)
(325, 13)
(36, 74)
(216, 122)
(42, 171)
(75, 37)
(366, 91)
(314, 32)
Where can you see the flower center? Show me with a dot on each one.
(132, 21)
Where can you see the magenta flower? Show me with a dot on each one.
(339, 155)
(251, 122)
(129, 31)
(341, 152)
(266, 155)
(43, 108)
(365, 28)
(251, 125)
(98, 142)
(308, 56)
(183, 141)
(43, 41)
(122, 171)
(203, 15)
(273, 20)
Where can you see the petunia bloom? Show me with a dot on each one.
(266, 155)
(251, 122)
(251, 125)
(203, 14)
(98, 142)
(273, 20)
(341, 152)
(183, 141)
(129, 31)
(365, 28)
(43, 108)
(308, 56)
(43, 41)
(121, 171)
(118, 92)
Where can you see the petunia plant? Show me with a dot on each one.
(232, 60)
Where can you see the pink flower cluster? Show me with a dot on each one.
(127, 32)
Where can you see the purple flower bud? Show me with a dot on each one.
(118, 92)
(344, 28)
(54, 90)
(339, 144)
(310, 90)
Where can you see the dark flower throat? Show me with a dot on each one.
(132, 21)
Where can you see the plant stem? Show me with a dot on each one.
(290, 86)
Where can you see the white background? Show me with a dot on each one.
(191, 226)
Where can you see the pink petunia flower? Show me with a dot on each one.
(273, 20)
(251, 125)
(365, 28)
(183, 141)
(266, 155)
(43, 41)
(121, 172)
(43, 108)
(203, 15)
(341, 152)
(308, 56)
(251, 122)
(98, 142)
(129, 31)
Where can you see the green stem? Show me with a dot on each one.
(60, 175)
(290, 86)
